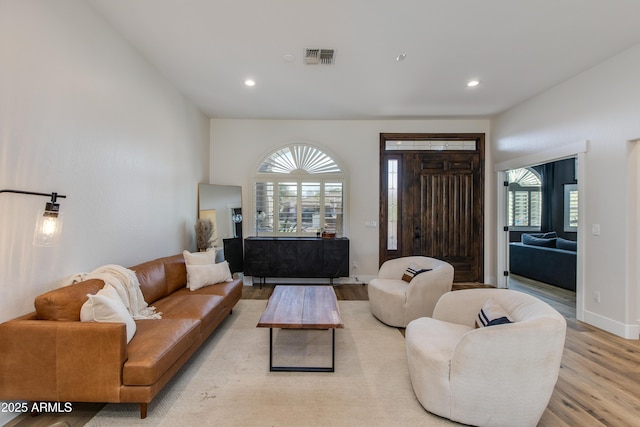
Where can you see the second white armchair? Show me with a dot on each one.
(395, 301)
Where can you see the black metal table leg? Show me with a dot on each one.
(303, 368)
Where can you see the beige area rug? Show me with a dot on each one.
(228, 383)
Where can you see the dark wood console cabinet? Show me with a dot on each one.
(304, 257)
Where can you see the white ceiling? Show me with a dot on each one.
(516, 48)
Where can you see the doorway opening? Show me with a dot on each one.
(542, 221)
(575, 151)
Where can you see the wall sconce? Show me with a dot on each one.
(49, 221)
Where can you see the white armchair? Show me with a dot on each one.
(500, 375)
(397, 302)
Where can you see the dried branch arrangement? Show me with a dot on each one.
(204, 232)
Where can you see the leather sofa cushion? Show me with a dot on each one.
(65, 303)
(153, 283)
(161, 277)
(175, 271)
(224, 289)
(156, 346)
(205, 308)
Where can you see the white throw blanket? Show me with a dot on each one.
(126, 284)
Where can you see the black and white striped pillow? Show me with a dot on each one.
(492, 314)
(412, 271)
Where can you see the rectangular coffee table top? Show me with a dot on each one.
(302, 307)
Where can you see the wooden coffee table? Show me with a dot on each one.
(302, 307)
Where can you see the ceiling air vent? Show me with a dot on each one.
(319, 56)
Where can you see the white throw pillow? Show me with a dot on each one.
(199, 258)
(199, 276)
(106, 306)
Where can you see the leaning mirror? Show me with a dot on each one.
(222, 204)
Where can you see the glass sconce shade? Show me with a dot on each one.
(48, 226)
(49, 221)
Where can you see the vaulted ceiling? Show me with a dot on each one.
(514, 49)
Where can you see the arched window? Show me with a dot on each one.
(525, 199)
(298, 191)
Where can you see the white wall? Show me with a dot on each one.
(82, 114)
(602, 106)
(237, 146)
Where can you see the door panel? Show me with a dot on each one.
(446, 215)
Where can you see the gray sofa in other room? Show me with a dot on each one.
(545, 258)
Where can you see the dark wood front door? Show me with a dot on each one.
(432, 199)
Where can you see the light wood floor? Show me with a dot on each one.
(599, 381)
(598, 385)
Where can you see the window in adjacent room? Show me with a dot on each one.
(524, 200)
(571, 207)
(298, 191)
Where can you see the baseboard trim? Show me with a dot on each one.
(627, 331)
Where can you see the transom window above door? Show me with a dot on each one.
(298, 191)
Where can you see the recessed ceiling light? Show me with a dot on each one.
(473, 83)
(249, 82)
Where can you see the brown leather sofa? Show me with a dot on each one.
(50, 355)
